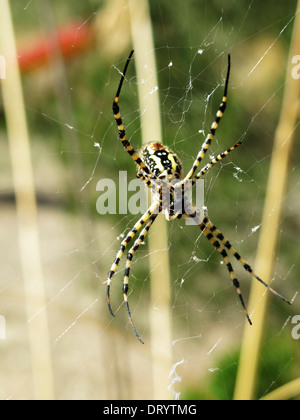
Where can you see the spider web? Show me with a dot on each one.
(75, 144)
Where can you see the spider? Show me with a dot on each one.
(161, 170)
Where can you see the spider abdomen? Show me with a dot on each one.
(161, 160)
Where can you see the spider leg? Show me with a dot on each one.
(116, 110)
(143, 177)
(210, 136)
(152, 209)
(224, 254)
(160, 188)
(216, 232)
(214, 161)
(216, 238)
(130, 255)
(152, 181)
(200, 219)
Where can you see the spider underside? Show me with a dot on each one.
(161, 170)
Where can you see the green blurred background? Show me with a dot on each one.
(74, 143)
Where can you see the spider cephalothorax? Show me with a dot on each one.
(166, 170)
(161, 171)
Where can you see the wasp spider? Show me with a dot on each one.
(161, 170)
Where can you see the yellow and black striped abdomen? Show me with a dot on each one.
(160, 159)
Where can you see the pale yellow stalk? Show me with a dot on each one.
(160, 319)
(285, 392)
(29, 247)
(284, 136)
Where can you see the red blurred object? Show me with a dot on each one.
(68, 41)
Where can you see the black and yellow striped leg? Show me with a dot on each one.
(214, 161)
(152, 209)
(151, 181)
(146, 179)
(210, 136)
(216, 232)
(122, 135)
(224, 254)
(130, 255)
(202, 221)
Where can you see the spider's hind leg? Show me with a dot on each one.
(225, 257)
(219, 235)
(201, 222)
(152, 209)
(130, 255)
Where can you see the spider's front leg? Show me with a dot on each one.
(116, 110)
(214, 126)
